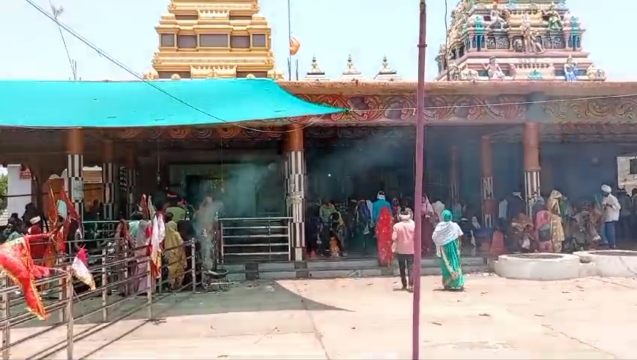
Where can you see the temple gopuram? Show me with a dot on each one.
(213, 39)
(517, 106)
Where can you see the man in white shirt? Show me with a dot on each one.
(611, 208)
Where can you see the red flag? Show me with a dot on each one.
(15, 259)
(70, 207)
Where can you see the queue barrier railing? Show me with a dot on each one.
(111, 270)
(258, 239)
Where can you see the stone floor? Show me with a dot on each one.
(589, 318)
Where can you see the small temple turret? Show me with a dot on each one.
(533, 40)
(351, 73)
(386, 73)
(315, 73)
(213, 39)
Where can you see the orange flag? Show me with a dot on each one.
(295, 45)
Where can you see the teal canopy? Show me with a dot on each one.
(105, 104)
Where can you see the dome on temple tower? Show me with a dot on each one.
(351, 72)
(386, 73)
(522, 40)
(213, 39)
(315, 73)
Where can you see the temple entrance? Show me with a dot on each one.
(248, 189)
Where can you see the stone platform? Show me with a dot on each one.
(609, 263)
(541, 266)
(538, 266)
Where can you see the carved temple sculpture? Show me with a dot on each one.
(213, 39)
(521, 40)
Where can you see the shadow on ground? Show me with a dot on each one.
(238, 298)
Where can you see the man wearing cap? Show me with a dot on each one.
(611, 208)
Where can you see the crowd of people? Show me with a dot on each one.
(558, 224)
(181, 223)
(554, 224)
(381, 227)
(388, 228)
(172, 225)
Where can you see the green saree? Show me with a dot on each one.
(452, 278)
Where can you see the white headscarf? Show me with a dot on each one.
(606, 189)
(444, 233)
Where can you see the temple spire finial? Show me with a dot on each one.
(315, 73)
(386, 73)
(351, 73)
(351, 68)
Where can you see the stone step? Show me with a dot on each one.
(337, 268)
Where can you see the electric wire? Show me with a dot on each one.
(353, 110)
(56, 14)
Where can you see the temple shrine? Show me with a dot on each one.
(518, 106)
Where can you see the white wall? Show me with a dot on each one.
(17, 186)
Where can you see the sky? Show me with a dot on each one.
(328, 29)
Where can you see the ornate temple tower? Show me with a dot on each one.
(534, 40)
(213, 39)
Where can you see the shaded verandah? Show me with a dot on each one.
(50, 126)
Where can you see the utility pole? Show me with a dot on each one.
(57, 12)
(420, 167)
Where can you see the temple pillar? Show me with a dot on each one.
(108, 179)
(131, 181)
(295, 189)
(74, 182)
(453, 191)
(531, 146)
(488, 201)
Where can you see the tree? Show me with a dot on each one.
(4, 186)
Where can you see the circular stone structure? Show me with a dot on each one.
(611, 263)
(538, 266)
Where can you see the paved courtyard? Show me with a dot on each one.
(365, 318)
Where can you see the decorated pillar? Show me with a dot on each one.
(131, 180)
(108, 180)
(488, 200)
(74, 182)
(453, 191)
(295, 188)
(531, 145)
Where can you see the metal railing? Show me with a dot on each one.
(256, 239)
(116, 271)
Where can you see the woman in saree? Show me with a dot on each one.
(543, 229)
(446, 236)
(175, 256)
(384, 226)
(557, 230)
(138, 230)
